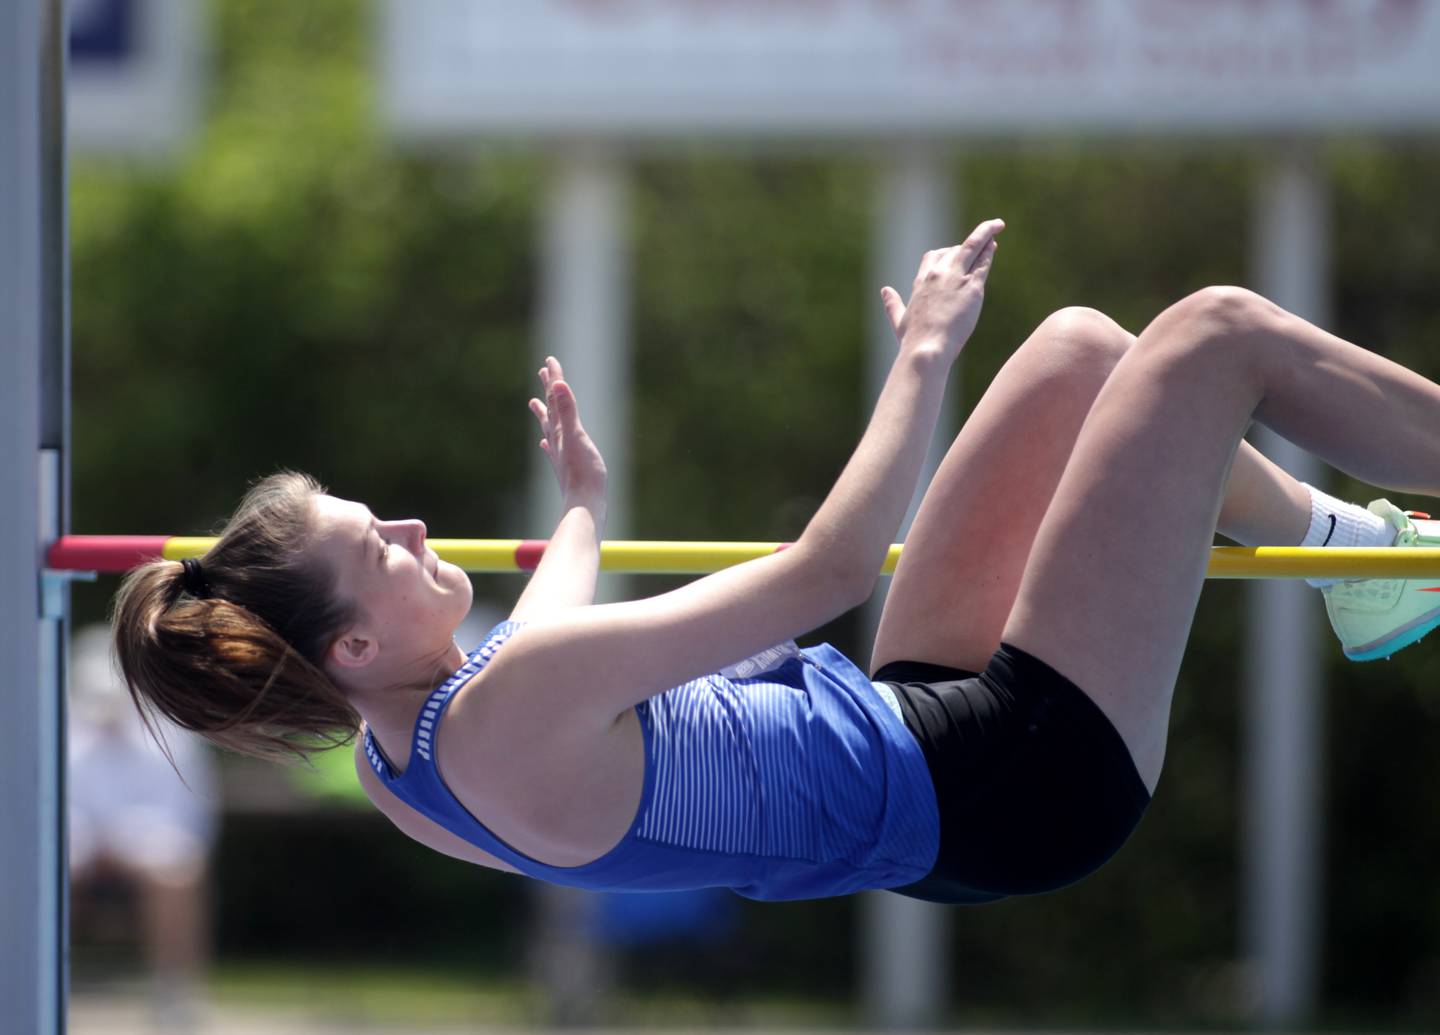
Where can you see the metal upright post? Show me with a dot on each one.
(903, 951)
(1285, 685)
(584, 322)
(33, 434)
(584, 316)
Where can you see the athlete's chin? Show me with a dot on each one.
(450, 577)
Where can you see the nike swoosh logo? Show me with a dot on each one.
(1331, 532)
(1430, 589)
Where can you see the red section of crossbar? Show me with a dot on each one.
(528, 554)
(105, 553)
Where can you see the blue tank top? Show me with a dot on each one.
(786, 776)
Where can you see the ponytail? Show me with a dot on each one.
(240, 663)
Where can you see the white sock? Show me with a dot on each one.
(1334, 522)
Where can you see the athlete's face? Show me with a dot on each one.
(410, 601)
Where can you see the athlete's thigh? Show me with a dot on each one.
(1110, 590)
(966, 551)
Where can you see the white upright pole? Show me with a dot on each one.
(1285, 684)
(584, 315)
(33, 421)
(904, 940)
(584, 321)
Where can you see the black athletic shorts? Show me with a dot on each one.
(1036, 788)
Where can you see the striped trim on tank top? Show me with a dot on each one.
(424, 741)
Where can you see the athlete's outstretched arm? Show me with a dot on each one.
(581, 668)
(861, 516)
(565, 577)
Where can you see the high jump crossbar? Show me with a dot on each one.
(120, 553)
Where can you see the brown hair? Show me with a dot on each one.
(242, 665)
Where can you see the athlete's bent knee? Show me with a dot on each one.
(1221, 326)
(1087, 337)
(1224, 310)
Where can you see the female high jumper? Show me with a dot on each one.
(1013, 728)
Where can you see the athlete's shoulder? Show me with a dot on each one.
(415, 825)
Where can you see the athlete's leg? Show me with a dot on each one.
(1264, 505)
(1111, 584)
(967, 548)
(964, 556)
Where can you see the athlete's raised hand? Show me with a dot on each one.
(576, 460)
(947, 295)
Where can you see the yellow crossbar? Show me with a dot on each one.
(698, 558)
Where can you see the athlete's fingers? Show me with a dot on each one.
(562, 399)
(542, 414)
(894, 308)
(967, 254)
(981, 269)
(557, 396)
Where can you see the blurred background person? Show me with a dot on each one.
(139, 832)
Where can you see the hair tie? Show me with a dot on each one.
(195, 582)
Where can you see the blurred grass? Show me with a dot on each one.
(413, 995)
(426, 996)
